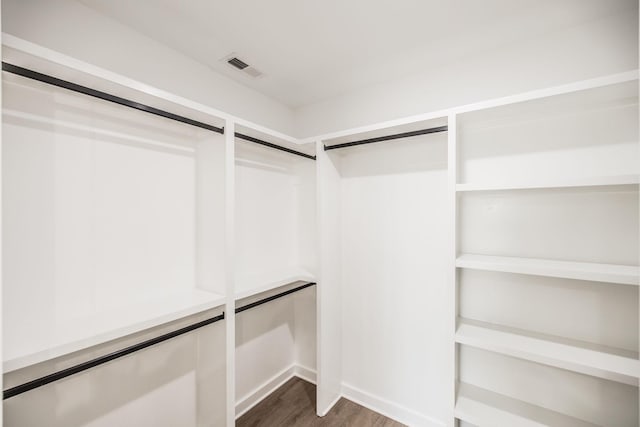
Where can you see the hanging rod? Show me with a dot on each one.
(388, 137)
(34, 75)
(277, 147)
(47, 379)
(272, 297)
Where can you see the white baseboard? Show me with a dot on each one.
(380, 405)
(326, 410)
(389, 409)
(262, 391)
(305, 373)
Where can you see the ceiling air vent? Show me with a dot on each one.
(239, 65)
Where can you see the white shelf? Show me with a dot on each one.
(604, 182)
(611, 273)
(257, 287)
(55, 339)
(599, 361)
(485, 408)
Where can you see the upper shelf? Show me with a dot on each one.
(610, 273)
(599, 361)
(482, 407)
(22, 349)
(603, 182)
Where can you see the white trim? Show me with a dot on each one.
(258, 394)
(261, 392)
(230, 274)
(330, 406)
(304, 373)
(389, 409)
(452, 271)
(597, 82)
(607, 80)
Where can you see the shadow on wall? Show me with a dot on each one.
(416, 154)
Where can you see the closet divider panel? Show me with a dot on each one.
(329, 293)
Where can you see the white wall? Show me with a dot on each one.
(393, 215)
(73, 197)
(601, 47)
(274, 216)
(78, 31)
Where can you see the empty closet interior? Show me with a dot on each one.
(166, 263)
(275, 265)
(384, 200)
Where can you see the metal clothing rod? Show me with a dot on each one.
(277, 147)
(272, 297)
(34, 75)
(39, 382)
(388, 137)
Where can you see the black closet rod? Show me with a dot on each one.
(34, 75)
(277, 147)
(272, 297)
(47, 379)
(388, 137)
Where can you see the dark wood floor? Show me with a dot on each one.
(294, 404)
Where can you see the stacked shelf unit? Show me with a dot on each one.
(545, 196)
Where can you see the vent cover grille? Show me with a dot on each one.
(239, 65)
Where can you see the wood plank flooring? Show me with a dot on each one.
(294, 404)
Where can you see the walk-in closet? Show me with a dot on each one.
(250, 214)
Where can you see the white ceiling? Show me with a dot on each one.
(313, 50)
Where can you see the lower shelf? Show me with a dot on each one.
(59, 337)
(485, 408)
(599, 361)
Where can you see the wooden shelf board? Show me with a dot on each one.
(485, 408)
(57, 338)
(611, 273)
(603, 182)
(598, 361)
